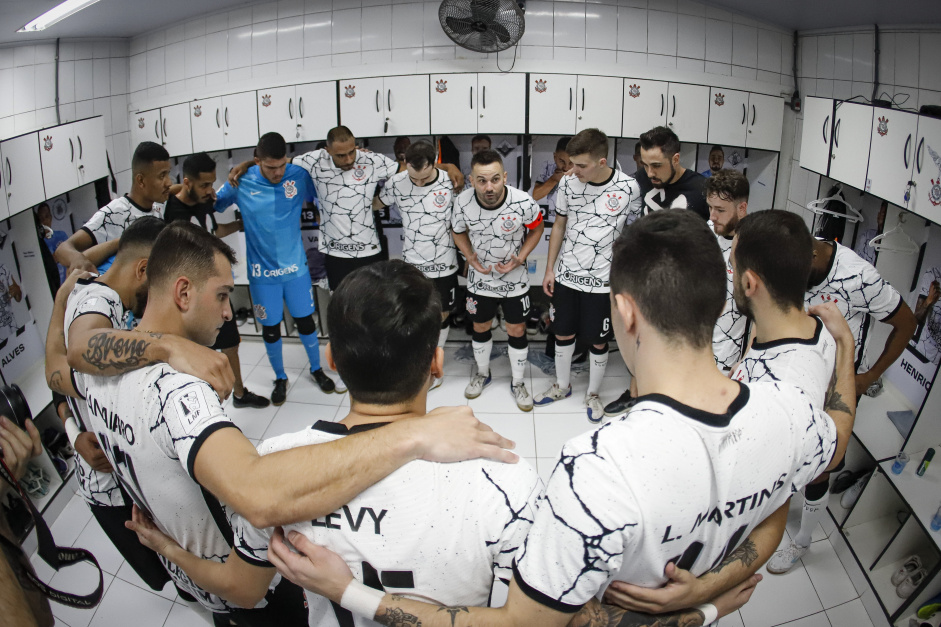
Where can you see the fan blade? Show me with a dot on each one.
(484, 10)
(460, 26)
(500, 32)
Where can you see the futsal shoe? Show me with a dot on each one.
(280, 392)
(325, 383)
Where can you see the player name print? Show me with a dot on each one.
(354, 523)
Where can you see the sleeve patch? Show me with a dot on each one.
(192, 407)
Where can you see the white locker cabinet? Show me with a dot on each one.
(240, 120)
(502, 105)
(465, 104)
(765, 122)
(277, 112)
(453, 104)
(145, 127)
(816, 134)
(926, 173)
(601, 104)
(206, 124)
(59, 158)
(22, 169)
(688, 112)
(361, 106)
(317, 110)
(728, 115)
(92, 153)
(4, 211)
(892, 147)
(175, 128)
(849, 152)
(645, 106)
(552, 104)
(405, 105)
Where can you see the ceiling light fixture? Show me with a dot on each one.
(56, 14)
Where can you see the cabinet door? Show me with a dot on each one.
(600, 104)
(206, 124)
(892, 145)
(816, 134)
(145, 127)
(240, 120)
(453, 104)
(728, 113)
(926, 195)
(92, 151)
(405, 100)
(23, 172)
(316, 110)
(688, 113)
(361, 106)
(552, 104)
(765, 121)
(277, 112)
(645, 106)
(175, 126)
(4, 211)
(849, 155)
(502, 103)
(59, 157)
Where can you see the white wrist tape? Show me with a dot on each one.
(710, 612)
(72, 430)
(361, 599)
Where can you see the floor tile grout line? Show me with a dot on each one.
(790, 622)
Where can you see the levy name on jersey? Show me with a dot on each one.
(347, 221)
(728, 336)
(496, 235)
(596, 213)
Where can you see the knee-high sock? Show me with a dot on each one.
(312, 346)
(519, 355)
(276, 358)
(482, 355)
(564, 351)
(443, 336)
(599, 362)
(813, 513)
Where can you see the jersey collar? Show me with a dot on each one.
(699, 415)
(144, 209)
(792, 340)
(337, 428)
(605, 182)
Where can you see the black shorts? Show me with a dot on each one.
(228, 336)
(583, 314)
(447, 290)
(484, 308)
(338, 267)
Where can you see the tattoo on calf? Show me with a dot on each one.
(747, 553)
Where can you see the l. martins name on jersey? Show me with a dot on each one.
(347, 221)
(728, 336)
(496, 235)
(857, 289)
(697, 485)
(426, 222)
(91, 297)
(110, 222)
(806, 364)
(441, 531)
(596, 213)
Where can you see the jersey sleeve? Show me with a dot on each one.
(110, 309)
(547, 169)
(882, 300)
(635, 207)
(386, 197)
(310, 195)
(97, 227)
(513, 491)
(458, 224)
(225, 197)
(384, 167)
(532, 214)
(561, 198)
(251, 543)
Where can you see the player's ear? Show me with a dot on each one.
(183, 292)
(742, 209)
(626, 312)
(750, 283)
(437, 363)
(328, 357)
(140, 270)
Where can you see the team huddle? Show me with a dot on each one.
(741, 333)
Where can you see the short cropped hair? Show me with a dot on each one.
(184, 249)
(146, 154)
(562, 144)
(715, 148)
(670, 263)
(777, 246)
(271, 146)
(420, 154)
(338, 134)
(482, 138)
(728, 185)
(486, 157)
(590, 142)
(384, 344)
(663, 138)
(197, 164)
(139, 237)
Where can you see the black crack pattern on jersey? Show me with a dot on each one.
(516, 517)
(426, 226)
(163, 397)
(761, 365)
(729, 333)
(110, 222)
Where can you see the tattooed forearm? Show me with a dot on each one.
(395, 617)
(454, 611)
(618, 617)
(835, 399)
(55, 382)
(592, 614)
(747, 553)
(105, 351)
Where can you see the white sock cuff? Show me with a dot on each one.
(443, 336)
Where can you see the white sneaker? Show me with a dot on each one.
(341, 387)
(849, 498)
(595, 408)
(524, 399)
(436, 383)
(477, 384)
(553, 394)
(911, 583)
(912, 564)
(785, 559)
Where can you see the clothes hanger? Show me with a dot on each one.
(907, 245)
(851, 215)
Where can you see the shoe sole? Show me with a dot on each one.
(486, 385)
(278, 404)
(549, 401)
(615, 414)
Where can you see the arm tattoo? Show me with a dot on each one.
(594, 614)
(835, 399)
(747, 553)
(395, 617)
(55, 382)
(454, 611)
(106, 351)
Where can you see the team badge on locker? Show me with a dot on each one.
(883, 128)
(541, 86)
(720, 100)
(266, 100)
(441, 86)
(634, 91)
(349, 91)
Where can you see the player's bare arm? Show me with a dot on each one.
(238, 171)
(841, 396)
(532, 239)
(224, 230)
(543, 189)
(904, 324)
(463, 243)
(70, 253)
(58, 376)
(99, 253)
(555, 245)
(925, 302)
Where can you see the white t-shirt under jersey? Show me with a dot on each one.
(442, 531)
(806, 364)
(426, 222)
(596, 214)
(667, 482)
(728, 336)
(92, 297)
(347, 220)
(110, 222)
(496, 235)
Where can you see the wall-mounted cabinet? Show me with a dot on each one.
(393, 105)
(926, 170)
(815, 134)
(683, 108)
(168, 126)
(465, 104)
(225, 122)
(22, 172)
(564, 104)
(299, 113)
(893, 141)
(72, 155)
(738, 118)
(849, 150)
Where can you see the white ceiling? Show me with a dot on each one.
(126, 18)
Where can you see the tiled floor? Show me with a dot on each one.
(816, 594)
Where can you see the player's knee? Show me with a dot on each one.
(564, 341)
(480, 327)
(517, 342)
(306, 325)
(599, 349)
(271, 334)
(816, 491)
(516, 329)
(482, 336)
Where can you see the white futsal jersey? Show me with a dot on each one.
(426, 222)
(91, 297)
(347, 220)
(728, 336)
(596, 214)
(151, 423)
(496, 235)
(857, 289)
(668, 483)
(110, 222)
(441, 531)
(806, 364)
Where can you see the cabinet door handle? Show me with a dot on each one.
(583, 98)
(908, 142)
(663, 102)
(754, 115)
(217, 119)
(389, 100)
(81, 151)
(826, 122)
(10, 175)
(483, 98)
(300, 107)
(163, 127)
(385, 129)
(72, 148)
(471, 92)
(673, 115)
(570, 98)
(291, 108)
(836, 133)
(157, 129)
(919, 157)
(227, 117)
(744, 113)
(377, 101)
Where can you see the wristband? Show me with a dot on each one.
(72, 430)
(710, 612)
(361, 599)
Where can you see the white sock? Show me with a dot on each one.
(443, 336)
(482, 355)
(518, 359)
(813, 513)
(563, 364)
(596, 371)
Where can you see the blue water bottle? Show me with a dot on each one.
(936, 521)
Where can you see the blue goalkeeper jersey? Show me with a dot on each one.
(272, 216)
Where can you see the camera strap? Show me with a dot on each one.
(56, 556)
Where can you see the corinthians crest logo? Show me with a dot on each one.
(613, 202)
(471, 306)
(634, 91)
(349, 91)
(359, 173)
(720, 100)
(266, 100)
(290, 189)
(197, 111)
(883, 128)
(934, 194)
(441, 86)
(140, 123)
(540, 86)
(47, 143)
(509, 223)
(441, 199)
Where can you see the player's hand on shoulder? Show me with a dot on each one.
(453, 434)
(682, 590)
(69, 284)
(86, 445)
(81, 262)
(236, 173)
(201, 362)
(833, 319)
(310, 566)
